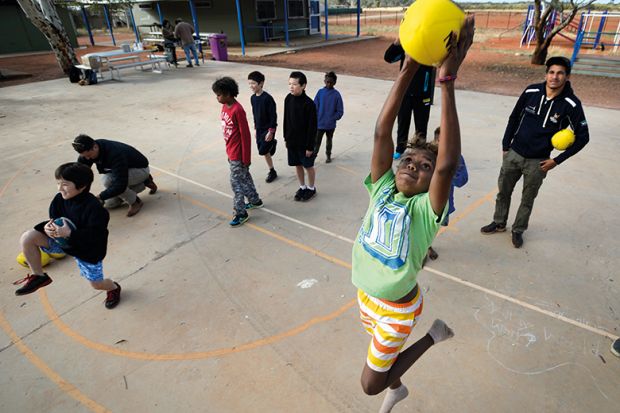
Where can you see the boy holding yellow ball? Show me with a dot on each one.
(405, 212)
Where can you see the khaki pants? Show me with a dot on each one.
(513, 167)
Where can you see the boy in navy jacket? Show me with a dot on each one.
(329, 110)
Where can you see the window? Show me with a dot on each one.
(296, 9)
(265, 10)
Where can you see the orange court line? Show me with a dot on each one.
(64, 385)
(64, 328)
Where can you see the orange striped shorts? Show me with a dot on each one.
(389, 324)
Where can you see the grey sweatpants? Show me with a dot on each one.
(135, 185)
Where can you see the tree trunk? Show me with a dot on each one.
(540, 55)
(42, 14)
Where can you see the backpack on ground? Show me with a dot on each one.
(75, 74)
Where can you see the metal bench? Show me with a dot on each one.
(156, 62)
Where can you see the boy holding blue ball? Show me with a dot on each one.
(86, 240)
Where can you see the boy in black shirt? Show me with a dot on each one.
(265, 121)
(83, 233)
(300, 134)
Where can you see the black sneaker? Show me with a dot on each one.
(309, 194)
(256, 205)
(329, 159)
(190, 65)
(299, 195)
(517, 239)
(113, 297)
(33, 283)
(615, 347)
(271, 176)
(492, 228)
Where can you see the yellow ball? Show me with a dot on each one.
(45, 259)
(563, 139)
(426, 27)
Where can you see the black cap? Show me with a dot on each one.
(560, 61)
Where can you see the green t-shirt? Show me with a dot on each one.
(393, 240)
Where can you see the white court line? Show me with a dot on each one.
(436, 272)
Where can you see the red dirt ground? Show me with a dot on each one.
(495, 64)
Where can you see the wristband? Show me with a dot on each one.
(447, 78)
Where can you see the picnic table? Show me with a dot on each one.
(114, 60)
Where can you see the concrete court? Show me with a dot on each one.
(262, 318)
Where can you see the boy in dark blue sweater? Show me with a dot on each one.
(84, 234)
(265, 121)
(329, 109)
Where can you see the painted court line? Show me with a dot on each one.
(64, 385)
(429, 269)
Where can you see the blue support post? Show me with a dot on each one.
(161, 16)
(326, 23)
(240, 23)
(286, 21)
(87, 24)
(359, 12)
(106, 13)
(578, 41)
(133, 22)
(601, 26)
(192, 10)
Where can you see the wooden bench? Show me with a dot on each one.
(151, 62)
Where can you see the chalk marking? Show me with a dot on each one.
(307, 283)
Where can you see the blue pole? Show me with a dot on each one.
(240, 23)
(326, 23)
(192, 10)
(600, 29)
(135, 28)
(107, 20)
(161, 16)
(87, 24)
(359, 11)
(286, 22)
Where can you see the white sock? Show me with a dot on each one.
(392, 397)
(440, 331)
(311, 188)
(302, 186)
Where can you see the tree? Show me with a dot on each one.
(42, 14)
(566, 10)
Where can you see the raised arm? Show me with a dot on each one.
(384, 145)
(450, 135)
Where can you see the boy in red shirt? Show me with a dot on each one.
(238, 148)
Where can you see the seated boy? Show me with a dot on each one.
(87, 242)
(405, 213)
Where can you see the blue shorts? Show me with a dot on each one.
(298, 157)
(263, 146)
(92, 272)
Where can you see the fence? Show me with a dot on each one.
(485, 19)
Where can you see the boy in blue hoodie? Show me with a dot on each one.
(329, 109)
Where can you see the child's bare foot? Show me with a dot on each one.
(440, 331)
(392, 397)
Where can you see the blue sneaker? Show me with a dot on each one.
(397, 155)
(239, 220)
(256, 205)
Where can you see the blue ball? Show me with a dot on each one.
(61, 222)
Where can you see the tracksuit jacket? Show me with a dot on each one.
(535, 119)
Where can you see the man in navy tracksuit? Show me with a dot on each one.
(542, 110)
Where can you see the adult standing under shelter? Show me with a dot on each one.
(185, 32)
(542, 110)
(167, 32)
(125, 171)
(417, 100)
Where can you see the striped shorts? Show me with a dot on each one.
(389, 324)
